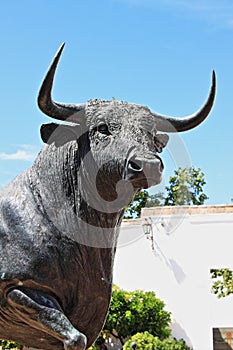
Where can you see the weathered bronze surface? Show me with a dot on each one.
(59, 220)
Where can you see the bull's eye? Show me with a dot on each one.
(103, 129)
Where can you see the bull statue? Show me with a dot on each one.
(60, 219)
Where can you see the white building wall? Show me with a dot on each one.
(186, 247)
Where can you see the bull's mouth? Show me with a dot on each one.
(145, 182)
(144, 172)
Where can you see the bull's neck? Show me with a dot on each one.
(68, 195)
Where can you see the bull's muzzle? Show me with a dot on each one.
(144, 172)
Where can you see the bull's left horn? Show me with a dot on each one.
(172, 124)
(72, 112)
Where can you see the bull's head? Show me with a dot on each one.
(123, 138)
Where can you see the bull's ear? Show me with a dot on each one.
(161, 141)
(58, 133)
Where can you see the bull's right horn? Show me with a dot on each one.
(71, 112)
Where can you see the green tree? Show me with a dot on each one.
(135, 207)
(223, 282)
(186, 187)
(155, 200)
(137, 311)
(146, 341)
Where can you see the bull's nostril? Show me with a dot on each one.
(135, 165)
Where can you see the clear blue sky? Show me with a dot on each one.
(154, 52)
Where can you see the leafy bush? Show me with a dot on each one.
(93, 347)
(223, 284)
(6, 344)
(137, 311)
(173, 344)
(146, 341)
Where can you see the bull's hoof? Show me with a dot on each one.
(78, 342)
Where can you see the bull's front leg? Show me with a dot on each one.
(41, 313)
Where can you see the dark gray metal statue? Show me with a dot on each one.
(59, 220)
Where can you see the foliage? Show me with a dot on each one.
(137, 311)
(223, 284)
(155, 200)
(135, 207)
(143, 340)
(6, 344)
(173, 344)
(94, 347)
(186, 187)
(146, 341)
